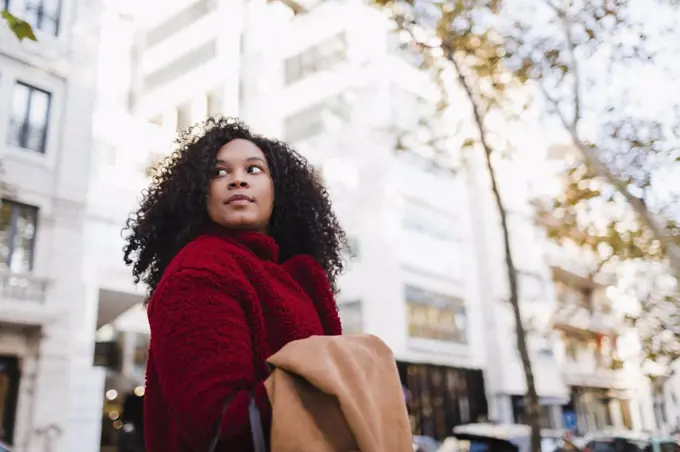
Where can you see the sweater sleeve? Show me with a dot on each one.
(201, 342)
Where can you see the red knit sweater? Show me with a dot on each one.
(223, 306)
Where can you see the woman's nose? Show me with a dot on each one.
(238, 183)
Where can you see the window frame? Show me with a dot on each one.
(417, 297)
(16, 207)
(317, 58)
(38, 7)
(22, 141)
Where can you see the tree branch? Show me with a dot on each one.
(576, 83)
(669, 247)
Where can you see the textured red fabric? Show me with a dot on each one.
(223, 306)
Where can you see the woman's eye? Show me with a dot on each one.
(220, 172)
(254, 169)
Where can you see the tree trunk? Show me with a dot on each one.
(532, 406)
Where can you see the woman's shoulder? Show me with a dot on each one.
(204, 267)
(206, 255)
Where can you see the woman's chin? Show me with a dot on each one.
(242, 223)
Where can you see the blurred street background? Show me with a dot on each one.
(403, 107)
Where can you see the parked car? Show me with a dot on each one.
(425, 444)
(504, 438)
(629, 442)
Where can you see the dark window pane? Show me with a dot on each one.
(9, 394)
(29, 117)
(435, 316)
(18, 224)
(43, 15)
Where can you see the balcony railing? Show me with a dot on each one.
(580, 318)
(22, 287)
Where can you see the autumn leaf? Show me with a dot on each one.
(21, 29)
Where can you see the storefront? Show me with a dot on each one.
(440, 398)
(124, 355)
(9, 394)
(596, 409)
(550, 414)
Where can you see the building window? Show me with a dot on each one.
(18, 225)
(351, 317)
(29, 117)
(318, 118)
(184, 64)
(320, 57)
(179, 21)
(435, 316)
(425, 220)
(43, 15)
(520, 416)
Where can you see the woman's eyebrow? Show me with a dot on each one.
(249, 159)
(259, 159)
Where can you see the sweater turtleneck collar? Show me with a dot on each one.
(264, 246)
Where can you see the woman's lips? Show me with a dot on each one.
(239, 199)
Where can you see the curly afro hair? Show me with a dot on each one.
(173, 209)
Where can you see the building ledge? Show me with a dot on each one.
(603, 378)
(22, 300)
(15, 312)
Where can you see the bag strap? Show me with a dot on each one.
(256, 425)
(218, 434)
(256, 431)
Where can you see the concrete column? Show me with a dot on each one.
(199, 108)
(636, 415)
(261, 73)
(27, 393)
(503, 405)
(615, 413)
(229, 61)
(556, 416)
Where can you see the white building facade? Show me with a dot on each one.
(426, 270)
(49, 389)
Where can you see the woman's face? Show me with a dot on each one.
(241, 192)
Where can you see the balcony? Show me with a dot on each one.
(22, 299)
(592, 359)
(581, 319)
(590, 373)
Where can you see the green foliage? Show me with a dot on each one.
(614, 201)
(21, 29)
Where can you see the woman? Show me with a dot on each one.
(240, 250)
